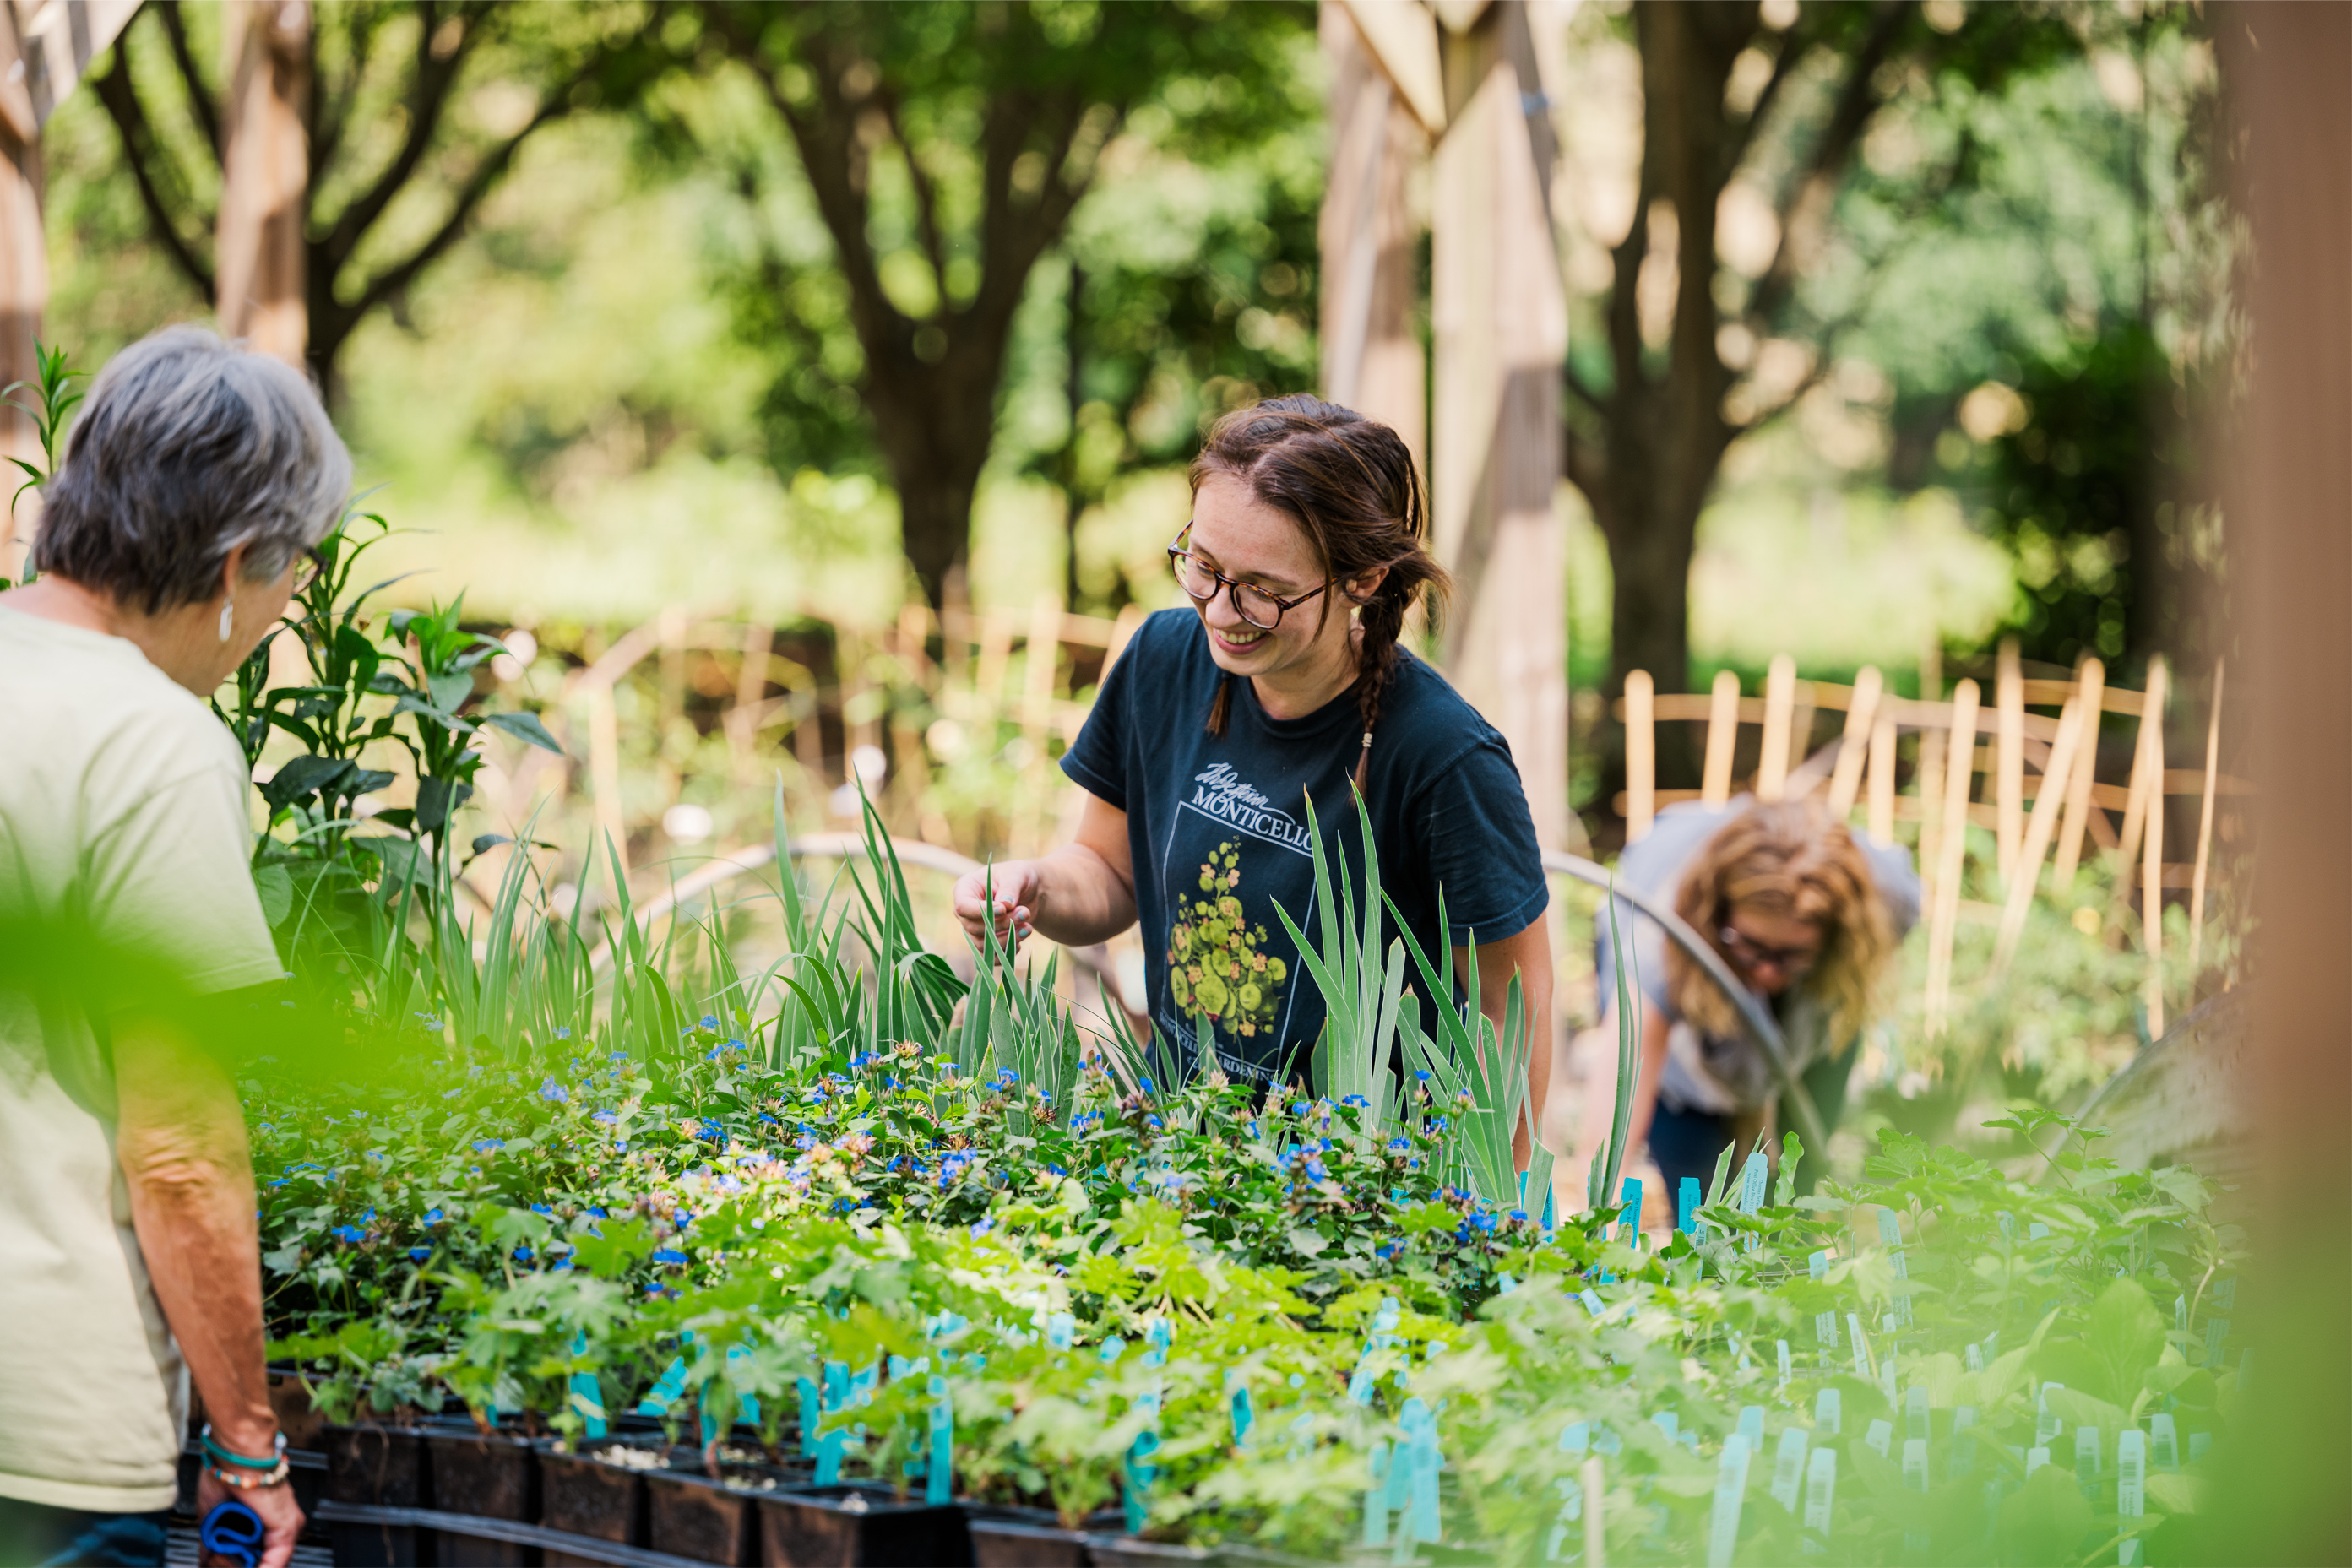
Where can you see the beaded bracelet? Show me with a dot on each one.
(252, 1480)
(222, 1455)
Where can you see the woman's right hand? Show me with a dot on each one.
(1004, 896)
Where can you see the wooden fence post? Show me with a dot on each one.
(2008, 758)
(2151, 907)
(1959, 770)
(1854, 749)
(1772, 757)
(1640, 756)
(1881, 780)
(1722, 734)
(750, 690)
(2026, 870)
(2205, 826)
(2147, 794)
(2092, 686)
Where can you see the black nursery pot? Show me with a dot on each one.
(860, 1527)
(689, 1515)
(581, 1495)
(1009, 1537)
(385, 1467)
(489, 1476)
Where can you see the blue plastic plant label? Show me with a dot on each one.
(2131, 1473)
(1880, 1436)
(1821, 1495)
(1915, 1463)
(1826, 1412)
(1786, 1368)
(1914, 1411)
(1751, 1427)
(1789, 1468)
(1730, 1492)
(2046, 1424)
(2163, 1442)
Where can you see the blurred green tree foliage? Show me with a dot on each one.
(945, 149)
(416, 111)
(1856, 214)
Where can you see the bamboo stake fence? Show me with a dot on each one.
(2042, 790)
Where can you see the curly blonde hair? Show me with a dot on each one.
(1791, 858)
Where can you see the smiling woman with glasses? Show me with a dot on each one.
(1282, 686)
(1806, 914)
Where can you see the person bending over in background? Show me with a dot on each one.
(198, 480)
(1806, 914)
(1282, 686)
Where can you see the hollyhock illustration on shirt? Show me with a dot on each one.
(1217, 965)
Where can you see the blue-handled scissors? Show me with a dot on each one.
(233, 1532)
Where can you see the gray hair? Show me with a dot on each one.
(186, 448)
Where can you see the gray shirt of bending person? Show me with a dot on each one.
(1719, 1076)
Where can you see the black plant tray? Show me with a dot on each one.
(473, 1527)
(859, 1526)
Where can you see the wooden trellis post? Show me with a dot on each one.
(1640, 756)
(2008, 758)
(2027, 869)
(1772, 757)
(1951, 854)
(1882, 780)
(266, 175)
(2147, 796)
(1722, 735)
(2092, 686)
(1386, 103)
(1857, 745)
(1463, 77)
(44, 48)
(2205, 825)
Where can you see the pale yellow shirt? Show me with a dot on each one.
(120, 789)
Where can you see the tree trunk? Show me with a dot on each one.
(936, 422)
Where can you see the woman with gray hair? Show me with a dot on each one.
(197, 483)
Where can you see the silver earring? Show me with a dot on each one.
(228, 617)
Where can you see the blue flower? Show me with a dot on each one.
(1388, 1249)
(347, 1233)
(484, 1145)
(542, 1208)
(431, 1216)
(1358, 1101)
(418, 1254)
(1483, 1221)
(708, 1021)
(522, 1254)
(1299, 1107)
(554, 1091)
(1399, 1146)
(1314, 1168)
(563, 1034)
(1421, 1073)
(669, 1255)
(982, 1227)
(597, 1211)
(604, 1118)
(1519, 1216)
(1145, 1084)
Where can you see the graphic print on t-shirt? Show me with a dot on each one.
(1230, 858)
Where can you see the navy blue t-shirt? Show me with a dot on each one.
(1217, 828)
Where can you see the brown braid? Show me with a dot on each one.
(1351, 485)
